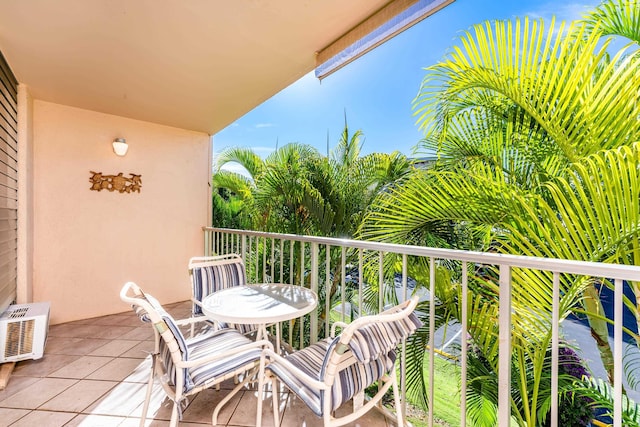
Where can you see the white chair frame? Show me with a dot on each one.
(132, 294)
(339, 358)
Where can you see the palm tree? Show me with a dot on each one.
(297, 190)
(535, 130)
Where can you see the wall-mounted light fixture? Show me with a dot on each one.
(120, 146)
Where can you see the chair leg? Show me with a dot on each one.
(226, 399)
(396, 398)
(174, 415)
(260, 394)
(147, 397)
(276, 406)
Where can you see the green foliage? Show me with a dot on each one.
(297, 190)
(535, 126)
(602, 395)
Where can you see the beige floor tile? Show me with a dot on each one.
(44, 418)
(297, 413)
(37, 393)
(245, 413)
(202, 405)
(9, 415)
(160, 406)
(79, 396)
(16, 384)
(139, 334)
(60, 345)
(83, 420)
(122, 400)
(114, 332)
(72, 330)
(44, 366)
(140, 350)
(79, 346)
(122, 319)
(81, 367)
(123, 369)
(114, 348)
(373, 418)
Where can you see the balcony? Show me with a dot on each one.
(94, 371)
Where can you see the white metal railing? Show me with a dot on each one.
(272, 257)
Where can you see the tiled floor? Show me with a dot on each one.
(94, 374)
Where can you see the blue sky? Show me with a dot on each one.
(376, 90)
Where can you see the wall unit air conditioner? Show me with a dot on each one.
(23, 331)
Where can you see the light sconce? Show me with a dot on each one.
(120, 146)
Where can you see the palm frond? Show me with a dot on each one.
(246, 157)
(616, 18)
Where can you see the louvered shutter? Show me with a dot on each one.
(8, 183)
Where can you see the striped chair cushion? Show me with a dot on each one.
(165, 352)
(377, 339)
(141, 313)
(218, 342)
(202, 345)
(348, 382)
(211, 278)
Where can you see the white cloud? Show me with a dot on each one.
(570, 11)
(264, 125)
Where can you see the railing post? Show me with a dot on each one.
(302, 284)
(264, 260)
(281, 261)
(327, 292)
(463, 345)
(555, 335)
(273, 260)
(403, 354)
(432, 331)
(618, 321)
(504, 347)
(244, 248)
(343, 281)
(380, 281)
(314, 287)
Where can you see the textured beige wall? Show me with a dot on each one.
(87, 244)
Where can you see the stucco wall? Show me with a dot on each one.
(87, 244)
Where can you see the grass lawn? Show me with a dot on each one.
(446, 409)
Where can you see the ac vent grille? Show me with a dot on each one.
(23, 331)
(15, 314)
(19, 338)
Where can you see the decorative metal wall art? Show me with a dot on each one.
(118, 182)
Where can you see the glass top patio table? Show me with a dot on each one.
(259, 304)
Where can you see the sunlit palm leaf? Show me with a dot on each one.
(550, 76)
(616, 18)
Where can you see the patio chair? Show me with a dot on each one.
(188, 366)
(331, 372)
(213, 273)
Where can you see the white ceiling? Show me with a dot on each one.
(192, 64)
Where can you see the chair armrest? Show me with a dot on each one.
(259, 345)
(337, 325)
(192, 320)
(302, 376)
(196, 302)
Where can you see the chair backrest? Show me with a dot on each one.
(370, 337)
(365, 350)
(210, 274)
(170, 342)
